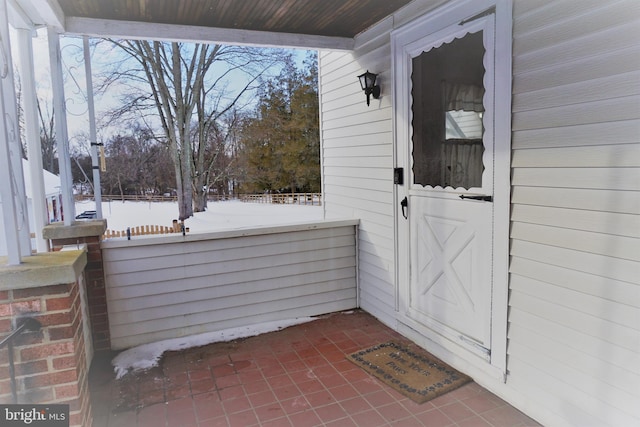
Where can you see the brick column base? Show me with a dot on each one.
(51, 364)
(89, 233)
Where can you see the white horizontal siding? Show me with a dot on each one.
(577, 198)
(574, 323)
(159, 289)
(574, 315)
(357, 161)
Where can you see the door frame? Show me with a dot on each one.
(441, 18)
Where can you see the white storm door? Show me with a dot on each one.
(450, 158)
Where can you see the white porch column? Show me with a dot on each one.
(9, 211)
(97, 189)
(32, 133)
(64, 158)
(14, 199)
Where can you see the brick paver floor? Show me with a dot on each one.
(298, 377)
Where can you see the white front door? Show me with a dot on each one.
(445, 142)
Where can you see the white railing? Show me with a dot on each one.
(314, 199)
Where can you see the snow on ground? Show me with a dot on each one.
(219, 215)
(147, 356)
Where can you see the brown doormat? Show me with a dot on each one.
(411, 371)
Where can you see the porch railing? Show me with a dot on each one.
(279, 198)
(314, 199)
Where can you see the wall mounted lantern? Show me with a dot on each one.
(368, 84)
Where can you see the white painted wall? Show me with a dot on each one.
(169, 287)
(357, 162)
(574, 308)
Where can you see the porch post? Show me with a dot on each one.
(14, 200)
(97, 189)
(9, 215)
(64, 158)
(32, 132)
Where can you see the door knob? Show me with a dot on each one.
(405, 204)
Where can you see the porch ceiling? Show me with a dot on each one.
(312, 23)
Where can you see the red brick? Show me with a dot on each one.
(5, 310)
(29, 368)
(55, 319)
(64, 362)
(61, 333)
(76, 419)
(5, 326)
(19, 307)
(99, 318)
(95, 284)
(96, 293)
(43, 351)
(4, 295)
(51, 378)
(97, 274)
(95, 264)
(60, 303)
(94, 256)
(5, 386)
(68, 391)
(43, 290)
(29, 339)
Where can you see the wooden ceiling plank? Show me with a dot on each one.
(273, 15)
(344, 18)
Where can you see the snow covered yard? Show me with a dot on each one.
(223, 215)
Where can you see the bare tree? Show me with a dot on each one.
(48, 139)
(189, 88)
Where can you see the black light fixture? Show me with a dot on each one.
(368, 84)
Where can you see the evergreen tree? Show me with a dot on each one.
(281, 140)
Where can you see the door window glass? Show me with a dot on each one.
(447, 93)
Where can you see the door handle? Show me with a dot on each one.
(483, 198)
(405, 204)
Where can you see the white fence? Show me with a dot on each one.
(314, 199)
(174, 286)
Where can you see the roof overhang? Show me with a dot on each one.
(190, 33)
(309, 24)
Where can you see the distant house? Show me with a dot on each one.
(52, 195)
